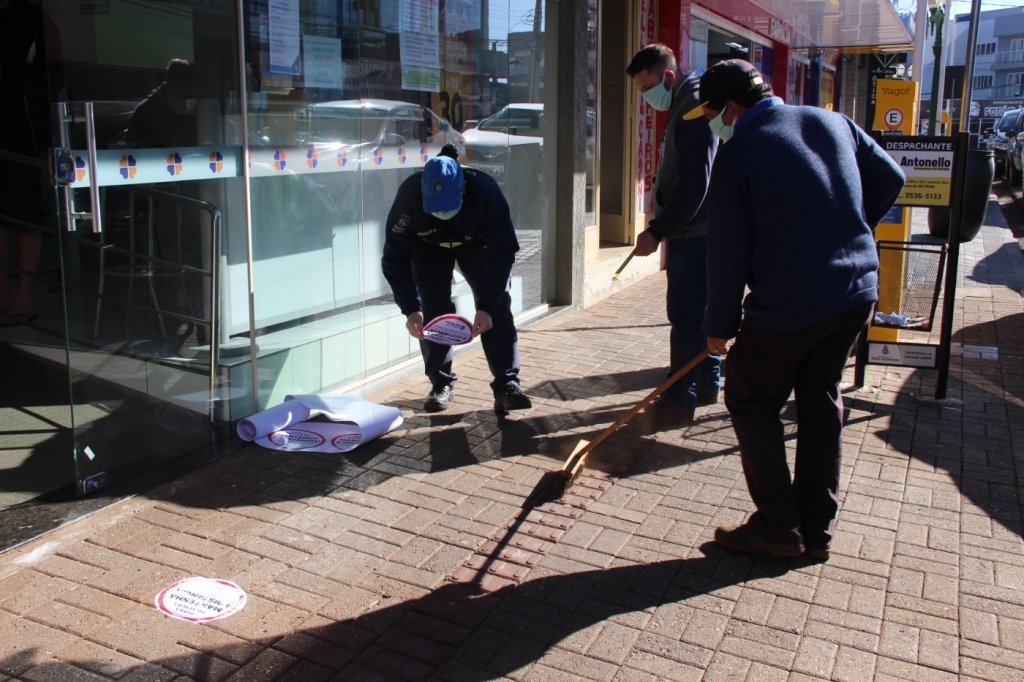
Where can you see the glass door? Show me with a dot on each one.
(36, 424)
(139, 107)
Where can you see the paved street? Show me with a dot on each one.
(442, 551)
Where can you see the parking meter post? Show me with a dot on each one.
(860, 364)
(961, 149)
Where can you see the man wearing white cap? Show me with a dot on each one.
(444, 215)
(796, 193)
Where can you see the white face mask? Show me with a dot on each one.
(446, 215)
(660, 96)
(719, 127)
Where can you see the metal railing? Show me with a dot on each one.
(146, 263)
(1009, 57)
(143, 259)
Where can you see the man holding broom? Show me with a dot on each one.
(680, 220)
(795, 196)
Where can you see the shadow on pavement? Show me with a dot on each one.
(461, 632)
(975, 444)
(997, 268)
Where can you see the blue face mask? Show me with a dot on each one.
(719, 128)
(659, 97)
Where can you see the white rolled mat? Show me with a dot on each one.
(288, 426)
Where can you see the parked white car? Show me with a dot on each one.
(510, 146)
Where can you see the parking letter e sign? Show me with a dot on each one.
(893, 119)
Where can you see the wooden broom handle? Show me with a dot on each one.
(633, 411)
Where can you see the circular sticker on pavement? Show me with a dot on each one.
(200, 600)
(449, 330)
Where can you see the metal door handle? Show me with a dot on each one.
(94, 186)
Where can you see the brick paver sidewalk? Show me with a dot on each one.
(441, 552)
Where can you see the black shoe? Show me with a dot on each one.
(512, 399)
(707, 396)
(743, 539)
(817, 553)
(675, 408)
(439, 399)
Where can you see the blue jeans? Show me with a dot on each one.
(686, 301)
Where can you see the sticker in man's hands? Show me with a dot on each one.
(448, 330)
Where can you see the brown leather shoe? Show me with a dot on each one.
(742, 539)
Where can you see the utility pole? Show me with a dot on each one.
(537, 49)
(935, 22)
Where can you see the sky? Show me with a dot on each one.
(511, 16)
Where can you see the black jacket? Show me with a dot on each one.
(482, 225)
(687, 151)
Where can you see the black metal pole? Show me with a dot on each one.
(968, 88)
(861, 359)
(961, 148)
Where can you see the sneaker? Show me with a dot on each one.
(439, 399)
(707, 396)
(512, 399)
(743, 539)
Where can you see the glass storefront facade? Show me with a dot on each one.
(353, 97)
(213, 240)
(214, 243)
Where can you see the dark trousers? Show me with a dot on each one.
(685, 301)
(762, 370)
(433, 267)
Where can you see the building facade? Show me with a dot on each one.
(998, 75)
(202, 261)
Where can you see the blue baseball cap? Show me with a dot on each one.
(441, 182)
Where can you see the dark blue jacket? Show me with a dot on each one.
(483, 225)
(795, 197)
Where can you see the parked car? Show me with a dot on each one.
(521, 118)
(513, 133)
(331, 225)
(1005, 145)
(509, 145)
(369, 123)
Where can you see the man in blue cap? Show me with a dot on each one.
(443, 215)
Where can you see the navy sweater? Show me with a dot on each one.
(795, 197)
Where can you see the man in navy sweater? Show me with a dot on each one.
(680, 220)
(796, 193)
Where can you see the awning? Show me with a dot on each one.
(851, 24)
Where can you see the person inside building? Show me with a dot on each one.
(24, 130)
(796, 193)
(680, 220)
(166, 117)
(442, 216)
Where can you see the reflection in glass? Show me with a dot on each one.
(345, 103)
